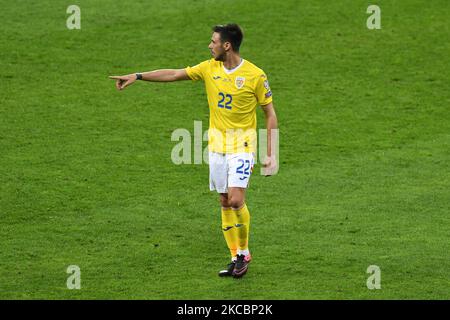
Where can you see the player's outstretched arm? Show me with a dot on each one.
(164, 75)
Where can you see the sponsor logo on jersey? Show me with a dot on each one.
(216, 77)
(239, 82)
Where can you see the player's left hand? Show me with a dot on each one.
(270, 166)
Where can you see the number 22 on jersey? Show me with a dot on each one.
(225, 100)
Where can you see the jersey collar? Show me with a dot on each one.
(234, 69)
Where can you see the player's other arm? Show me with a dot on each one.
(163, 75)
(270, 165)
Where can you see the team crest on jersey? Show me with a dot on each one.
(239, 82)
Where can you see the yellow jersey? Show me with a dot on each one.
(232, 98)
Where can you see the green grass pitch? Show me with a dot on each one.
(87, 178)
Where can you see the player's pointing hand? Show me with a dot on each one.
(124, 81)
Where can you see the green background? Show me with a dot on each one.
(87, 178)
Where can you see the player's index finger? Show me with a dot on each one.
(115, 77)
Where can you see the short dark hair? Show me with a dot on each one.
(230, 32)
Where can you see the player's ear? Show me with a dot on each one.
(227, 46)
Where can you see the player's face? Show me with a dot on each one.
(217, 48)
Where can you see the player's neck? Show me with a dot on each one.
(232, 61)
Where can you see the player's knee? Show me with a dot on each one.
(224, 201)
(236, 202)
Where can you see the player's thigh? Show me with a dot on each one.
(218, 172)
(240, 167)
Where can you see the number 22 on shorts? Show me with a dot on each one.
(241, 170)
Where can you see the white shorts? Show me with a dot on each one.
(229, 170)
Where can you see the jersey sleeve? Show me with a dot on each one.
(197, 72)
(262, 90)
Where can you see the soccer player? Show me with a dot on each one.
(234, 88)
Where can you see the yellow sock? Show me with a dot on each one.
(243, 227)
(229, 230)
